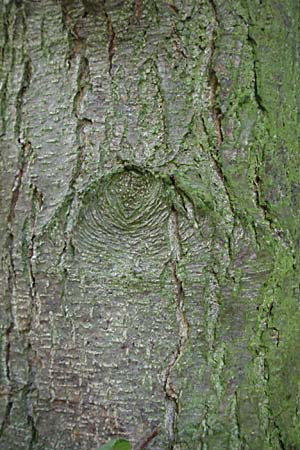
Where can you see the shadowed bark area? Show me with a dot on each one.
(150, 196)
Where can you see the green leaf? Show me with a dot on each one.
(116, 444)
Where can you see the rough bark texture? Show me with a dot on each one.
(150, 224)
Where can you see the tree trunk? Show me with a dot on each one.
(150, 224)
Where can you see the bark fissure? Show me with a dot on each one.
(10, 287)
(257, 97)
(25, 83)
(31, 355)
(137, 9)
(111, 40)
(237, 420)
(162, 101)
(6, 417)
(83, 81)
(219, 170)
(34, 432)
(3, 105)
(10, 242)
(24, 154)
(172, 397)
(30, 416)
(11, 279)
(266, 211)
(8, 332)
(32, 284)
(265, 375)
(82, 85)
(214, 82)
(215, 110)
(147, 440)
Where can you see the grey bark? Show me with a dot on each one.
(150, 200)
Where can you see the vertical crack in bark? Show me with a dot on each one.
(5, 13)
(10, 287)
(257, 97)
(264, 207)
(172, 397)
(137, 9)
(111, 39)
(82, 83)
(30, 387)
(24, 154)
(213, 81)
(34, 433)
(11, 279)
(77, 44)
(28, 390)
(219, 171)
(264, 373)
(267, 418)
(162, 100)
(6, 417)
(215, 110)
(32, 291)
(143, 444)
(83, 79)
(25, 83)
(23, 161)
(3, 105)
(237, 424)
(261, 204)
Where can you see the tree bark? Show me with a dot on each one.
(150, 224)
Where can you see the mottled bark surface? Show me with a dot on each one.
(150, 197)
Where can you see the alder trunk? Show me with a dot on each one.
(150, 196)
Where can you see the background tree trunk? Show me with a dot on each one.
(150, 224)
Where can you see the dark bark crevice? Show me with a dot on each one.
(265, 208)
(214, 82)
(32, 282)
(144, 443)
(25, 83)
(82, 84)
(162, 102)
(215, 109)
(172, 408)
(3, 105)
(6, 417)
(28, 392)
(25, 153)
(137, 9)
(111, 40)
(237, 420)
(258, 99)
